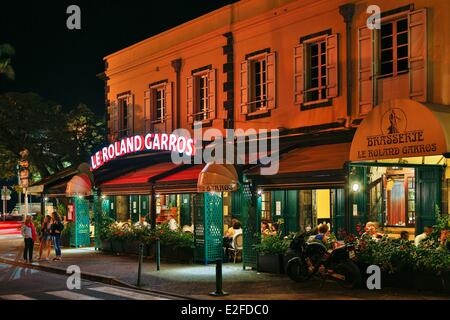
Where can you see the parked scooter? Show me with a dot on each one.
(313, 259)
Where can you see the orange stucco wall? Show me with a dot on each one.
(260, 24)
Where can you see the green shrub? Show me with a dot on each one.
(272, 245)
(175, 239)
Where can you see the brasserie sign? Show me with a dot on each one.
(398, 129)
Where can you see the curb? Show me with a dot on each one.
(93, 277)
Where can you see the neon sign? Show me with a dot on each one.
(138, 143)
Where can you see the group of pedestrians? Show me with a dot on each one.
(51, 229)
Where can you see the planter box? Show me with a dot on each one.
(270, 263)
(105, 245)
(428, 281)
(150, 250)
(183, 255)
(132, 247)
(117, 246)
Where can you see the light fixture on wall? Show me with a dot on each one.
(356, 187)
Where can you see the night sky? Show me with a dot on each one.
(61, 64)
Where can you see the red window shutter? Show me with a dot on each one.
(271, 80)
(212, 94)
(190, 100)
(332, 66)
(244, 86)
(130, 115)
(365, 70)
(418, 55)
(299, 83)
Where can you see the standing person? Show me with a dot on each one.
(29, 236)
(56, 228)
(46, 238)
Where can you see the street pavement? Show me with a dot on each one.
(20, 283)
(197, 281)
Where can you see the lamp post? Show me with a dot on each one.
(24, 175)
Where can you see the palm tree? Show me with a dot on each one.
(6, 52)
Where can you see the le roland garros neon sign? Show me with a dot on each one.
(138, 143)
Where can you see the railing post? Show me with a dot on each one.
(219, 279)
(158, 254)
(141, 255)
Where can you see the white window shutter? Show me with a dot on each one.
(130, 115)
(169, 102)
(111, 120)
(417, 21)
(271, 80)
(212, 93)
(332, 66)
(299, 76)
(190, 99)
(115, 120)
(365, 70)
(146, 110)
(244, 78)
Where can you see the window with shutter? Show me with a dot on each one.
(417, 27)
(259, 91)
(332, 66)
(212, 94)
(147, 111)
(365, 70)
(244, 87)
(316, 71)
(271, 80)
(299, 74)
(190, 99)
(158, 103)
(124, 115)
(130, 116)
(169, 99)
(203, 95)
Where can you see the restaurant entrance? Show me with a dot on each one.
(397, 197)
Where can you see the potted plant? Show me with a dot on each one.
(176, 245)
(270, 254)
(117, 236)
(134, 236)
(105, 233)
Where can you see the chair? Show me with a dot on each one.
(236, 246)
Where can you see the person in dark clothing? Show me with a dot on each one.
(29, 236)
(46, 238)
(55, 230)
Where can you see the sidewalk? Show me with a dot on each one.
(196, 281)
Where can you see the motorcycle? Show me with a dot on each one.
(313, 259)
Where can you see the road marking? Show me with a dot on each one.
(16, 297)
(70, 295)
(126, 294)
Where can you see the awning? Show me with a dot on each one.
(314, 166)
(218, 178)
(402, 128)
(137, 182)
(183, 181)
(79, 185)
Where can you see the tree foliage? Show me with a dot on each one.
(6, 52)
(54, 138)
